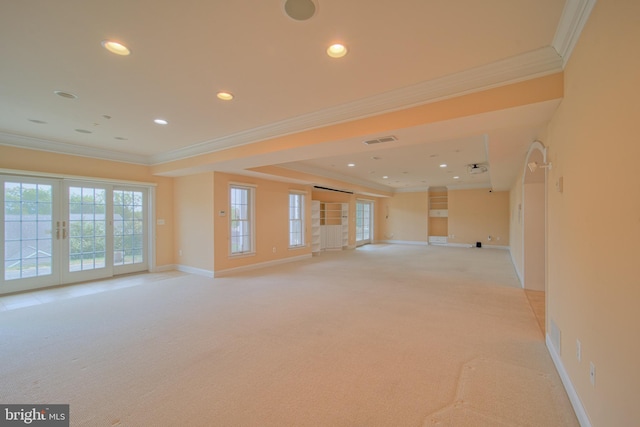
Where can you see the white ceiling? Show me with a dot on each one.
(400, 54)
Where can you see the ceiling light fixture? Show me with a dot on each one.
(337, 50)
(115, 47)
(161, 122)
(456, 177)
(444, 165)
(225, 96)
(385, 177)
(351, 165)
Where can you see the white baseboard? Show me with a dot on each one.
(163, 268)
(515, 267)
(581, 414)
(405, 242)
(222, 273)
(194, 270)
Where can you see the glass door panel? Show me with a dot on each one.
(364, 221)
(129, 230)
(85, 231)
(30, 233)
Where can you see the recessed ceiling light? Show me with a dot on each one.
(443, 165)
(64, 94)
(337, 50)
(351, 165)
(225, 96)
(83, 131)
(115, 47)
(161, 122)
(456, 177)
(385, 177)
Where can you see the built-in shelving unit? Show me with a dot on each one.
(334, 225)
(438, 219)
(315, 227)
(439, 206)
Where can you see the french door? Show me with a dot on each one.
(364, 222)
(62, 231)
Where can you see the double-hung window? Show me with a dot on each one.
(242, 219)
(296, 220)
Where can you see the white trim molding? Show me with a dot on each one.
(194, 270)
(228, 271)
(573, 19)
(581, 414)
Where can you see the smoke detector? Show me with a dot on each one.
(477, 168)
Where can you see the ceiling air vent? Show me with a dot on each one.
(381, 140)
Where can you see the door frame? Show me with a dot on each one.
(371, 205)
(59, 179)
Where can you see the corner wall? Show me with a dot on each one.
(193, 211)
(594, 224)
(474, 215)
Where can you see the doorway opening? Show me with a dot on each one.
(534, 230)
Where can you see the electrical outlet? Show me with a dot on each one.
(578, 350)
(592, 373)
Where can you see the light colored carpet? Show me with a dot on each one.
(386, 335)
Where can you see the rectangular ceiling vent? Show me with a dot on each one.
(381, 140)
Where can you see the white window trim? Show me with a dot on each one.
(252, 219)
(302, 220)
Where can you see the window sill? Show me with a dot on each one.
(242, 255)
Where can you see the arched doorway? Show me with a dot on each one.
(534, 229)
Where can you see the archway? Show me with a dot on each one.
(534, 229)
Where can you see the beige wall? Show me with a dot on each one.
(272, 222)
(516, 228)
(474, 215)
(593, 244)
(193, 212)
(405, 217)
(62, 164)
(534, 236)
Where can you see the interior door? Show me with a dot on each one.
(31, 231)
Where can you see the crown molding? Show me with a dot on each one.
(574, 17)
(522, 67)
(33, 143)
